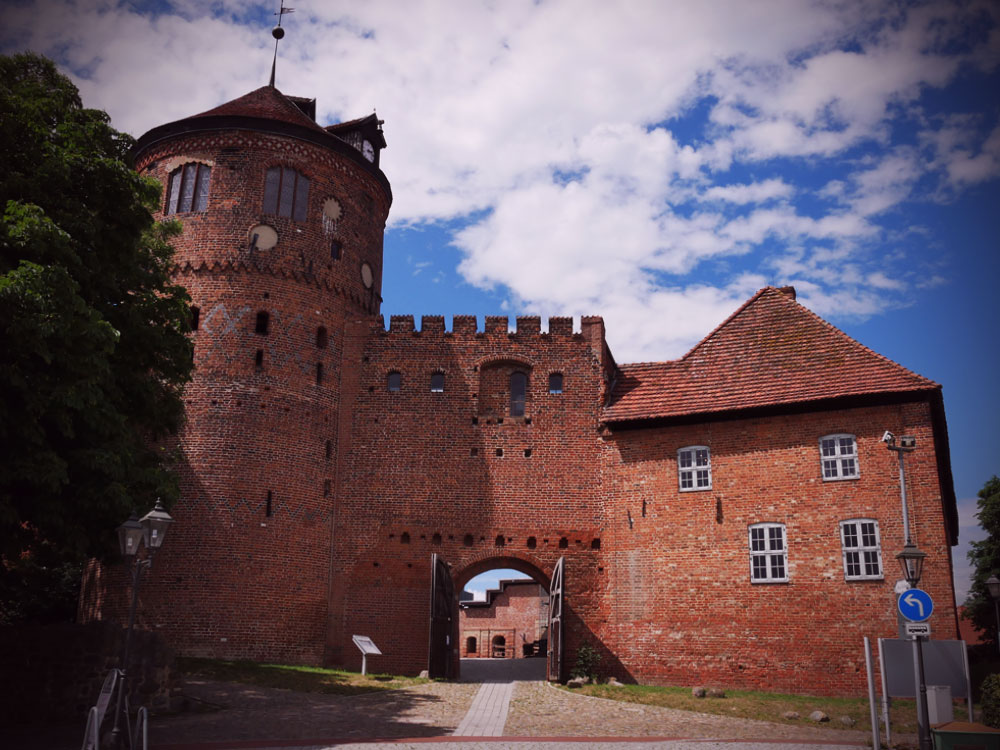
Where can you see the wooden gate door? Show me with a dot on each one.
(439, 662)
(555, 666)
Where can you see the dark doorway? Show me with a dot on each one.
(439, 661)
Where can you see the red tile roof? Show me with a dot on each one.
(266, 103)
(772, 351)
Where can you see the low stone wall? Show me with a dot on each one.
(54, 673)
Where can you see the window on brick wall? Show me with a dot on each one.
(838, 457)
(768, 553)
(263, 323)
(286, 193)
(187, 188)
(555, 382)
(394, 382)
(862, 549)
(518, 392)
(694, 468)
(322, 338)
(437, 382)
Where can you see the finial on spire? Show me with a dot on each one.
(278, 33)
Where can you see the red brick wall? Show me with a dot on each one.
(678, 604)
(366, 484)
(518, 613)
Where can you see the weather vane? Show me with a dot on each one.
(278, 33)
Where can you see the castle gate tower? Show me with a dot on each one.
(283, 224)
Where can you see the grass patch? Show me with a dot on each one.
(747, 704)
(293, 677)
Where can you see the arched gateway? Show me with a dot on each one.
(691, 517)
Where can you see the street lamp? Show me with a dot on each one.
(911, 559)
(151, 530)
(993, 586)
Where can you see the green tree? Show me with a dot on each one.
(94, 351)
(985, 559)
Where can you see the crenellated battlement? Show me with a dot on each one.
(526, 326)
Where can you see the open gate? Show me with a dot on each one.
(555, 662)
(439, 661)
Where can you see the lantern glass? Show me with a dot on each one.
(911, 560)
(130, 534)
(154, 526)
(993, 586)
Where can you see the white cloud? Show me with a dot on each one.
(562, 137)
(756, 192)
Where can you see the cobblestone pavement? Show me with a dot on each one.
(540, 710)
(244, 712)
(430, 713)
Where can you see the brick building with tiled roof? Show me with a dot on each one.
(730, 517)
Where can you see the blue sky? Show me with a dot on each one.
(655, 163)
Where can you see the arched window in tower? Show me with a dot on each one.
(286, 193)
(263, 323)
(187, 188)
(518, 390)
(321, 337)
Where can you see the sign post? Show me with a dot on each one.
(366, 646)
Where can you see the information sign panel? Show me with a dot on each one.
(914, 629)
(366, 645)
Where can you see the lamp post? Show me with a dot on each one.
(993, 586)
(911, 560)
(151, 530)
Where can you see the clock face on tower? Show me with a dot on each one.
(368, 150)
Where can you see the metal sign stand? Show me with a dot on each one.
(366, 646)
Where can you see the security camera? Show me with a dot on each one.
(888, 437)
(907, 441)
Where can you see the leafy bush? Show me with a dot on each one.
(587, 662)
(991, 701)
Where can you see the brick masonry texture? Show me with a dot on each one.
(517, 613)
(312, 502)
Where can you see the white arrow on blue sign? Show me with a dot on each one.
(915, 605)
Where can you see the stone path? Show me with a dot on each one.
(488, 713)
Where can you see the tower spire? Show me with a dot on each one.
(278, 33)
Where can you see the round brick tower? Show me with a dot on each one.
(281, 249)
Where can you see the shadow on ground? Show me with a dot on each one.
(503, 670)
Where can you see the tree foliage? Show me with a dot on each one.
(94, 347)
(985, 559)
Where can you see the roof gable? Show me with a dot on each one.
(771, 351)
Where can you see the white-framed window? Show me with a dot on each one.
(862, 549)
(768, 553)
(694, 468)
(838, 457)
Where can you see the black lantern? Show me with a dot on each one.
(130, 534)
(993, 586)
(911, 560)
(154, 526)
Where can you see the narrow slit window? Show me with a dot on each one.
(319, 373)
(268, 509)
(195, 317)
(335, 247)
(258, 359)
(322, 337)
(437, 382)
(518, 391)
(263, 324)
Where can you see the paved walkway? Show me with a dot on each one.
(488, 713)
(509, 712)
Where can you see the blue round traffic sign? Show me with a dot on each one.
(915, 605)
